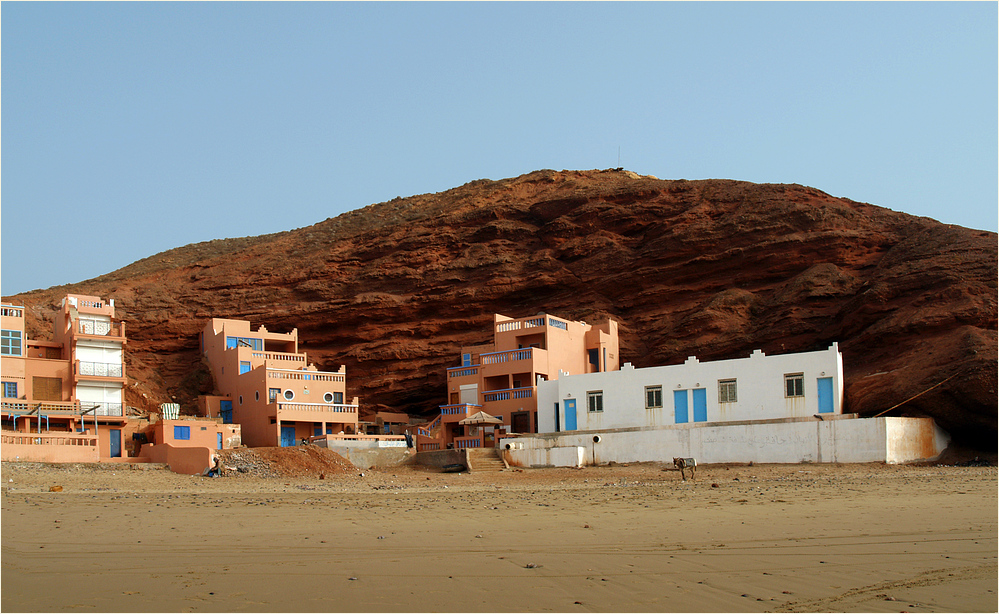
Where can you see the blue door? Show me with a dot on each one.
(219, 442)
(680, 405)
(570, 414)
(115, 443)
(287, 436)
(225, 410)
(825, 395)
(700, 405)
(317, 430)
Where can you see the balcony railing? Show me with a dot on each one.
(505, 395)
(99, 369)
(14, 312)
(318, 407)
(67, 439)
(52, 408)
(462, 371)
(103, 409)
(279, 356)
(508, 356)
(315, 376)
(101, 328)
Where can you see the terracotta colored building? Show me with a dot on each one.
(70, 388)
(268, 387)
(501, 378)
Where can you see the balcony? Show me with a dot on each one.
(505, 395)
(100, 328)
(282, 356)
(61, 408)
(314, 376)
(99, 369)
(317, 412)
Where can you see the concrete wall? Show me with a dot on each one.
(759, 381)
(189, 461)
(49, 448)
(440, 458)
(841, 439)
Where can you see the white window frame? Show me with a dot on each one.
(653, 404)
(595, 401)
(286, 393)
(797, 385)
(728, 391)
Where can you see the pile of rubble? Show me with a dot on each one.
(299, 461)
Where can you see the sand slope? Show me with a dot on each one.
(766, 538)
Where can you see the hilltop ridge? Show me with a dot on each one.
(709, 268)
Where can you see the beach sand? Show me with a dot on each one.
(778, 538)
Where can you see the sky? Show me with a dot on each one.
(133, 128)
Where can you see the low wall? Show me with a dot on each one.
(189, 461)
(839, 439)
(368, 457)
(440, 458)
(49, 448)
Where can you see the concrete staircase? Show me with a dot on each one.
(484, 459)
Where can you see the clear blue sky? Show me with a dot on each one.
(132, 128)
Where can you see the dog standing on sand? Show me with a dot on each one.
(685, 463)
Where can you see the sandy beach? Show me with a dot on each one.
(777, 538)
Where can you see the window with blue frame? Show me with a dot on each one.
(181, 432)
(466, 360)
(225, 410)
(244, 367)
(10, 342)
(10, 390)
(247, 342)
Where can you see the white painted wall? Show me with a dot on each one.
(759, 384)
(836, 439)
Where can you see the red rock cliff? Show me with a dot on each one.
(709, 268)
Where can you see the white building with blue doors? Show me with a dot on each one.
(758, 387)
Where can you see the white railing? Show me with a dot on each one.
(13, 312)
(557, 324)
(502, 327)
(509, 356)
(37, 439)
(100, 328)
(533, 322)
(315, 376)
(103, 409)
(279, 356)
(318, 407)
(462, 371)
(101, 369)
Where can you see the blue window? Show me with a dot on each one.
(245, 342)
(466, 360)
(244, 367)
(181, 432)
(10, 390)
(10, 342)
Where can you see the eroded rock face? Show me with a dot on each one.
(713, 269)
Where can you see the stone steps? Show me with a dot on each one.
(484, 459)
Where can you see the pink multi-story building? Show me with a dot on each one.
(501, 378)
(268, 387)
(70, 388)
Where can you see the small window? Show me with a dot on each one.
(595, 401)
(289, 395)
(653, 397)
(240, 399)
(727, 391)
(204, 428)
(256, 395)
(244, 367)
(328, 397)
(10, 390)
(181, 432)
(272, 394)
(794, 385)
(10, 342)
(466, 360)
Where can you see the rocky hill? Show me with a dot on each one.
(710, 268)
